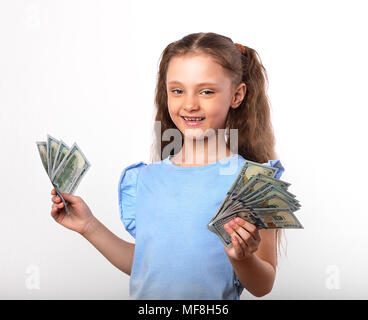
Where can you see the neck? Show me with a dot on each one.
(202, 152)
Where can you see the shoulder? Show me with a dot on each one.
(127, 194)
(130, 173)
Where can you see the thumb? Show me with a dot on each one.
(68, 197)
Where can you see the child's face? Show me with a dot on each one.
(188, 97)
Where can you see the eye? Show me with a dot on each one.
(176, 90)
(210, 92)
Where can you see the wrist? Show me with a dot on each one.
(247, 259)
(90, 228)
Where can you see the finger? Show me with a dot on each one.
(244, 236)
(53, 191)
(229, 229)
(54, 211)
(69, 198)
(240, 230)
(60, 205)
(237, 247)
(242, 243)
(251, 228)
(56, 199)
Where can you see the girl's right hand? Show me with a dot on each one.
(80, 217)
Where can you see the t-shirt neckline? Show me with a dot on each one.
(216, 164)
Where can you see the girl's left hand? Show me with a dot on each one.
(245, 239)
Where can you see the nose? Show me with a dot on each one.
(190, 104)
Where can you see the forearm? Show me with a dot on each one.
(119, 252)
(255, 274)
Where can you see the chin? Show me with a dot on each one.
(197, 133)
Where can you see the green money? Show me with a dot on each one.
(69, 172)
(247, 172)
(42, 149)
(277, 218)
(269, 189)
(60, 154)
(52, 147)
(273, 201)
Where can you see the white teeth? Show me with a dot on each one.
(192, 119)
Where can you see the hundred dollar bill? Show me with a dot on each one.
(259, 182)
(275, 181)
(273, 201)
(71, 169)
(269, 189)
(60, 154)
(52, 147)
(42, 149)
(259, 198)
(247, 172)
(262, 218)
(218, 226)
(253, 185)
(65, 166)
(261, 179)
(277, 218)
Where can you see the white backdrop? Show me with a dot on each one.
(85, 71)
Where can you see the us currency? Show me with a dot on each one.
(273, 201)
(60, 154)
(71, 170)
(278, 218)
(65, 166)
(42, 149)
(259, 198)
(247, 172)
(52, 147)
(268, 189)
(218, 226)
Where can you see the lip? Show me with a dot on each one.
(193, 123)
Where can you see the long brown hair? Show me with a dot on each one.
(252, 119)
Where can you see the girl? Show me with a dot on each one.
(206, 84)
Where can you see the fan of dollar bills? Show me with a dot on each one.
(65, 166)
(259, 198)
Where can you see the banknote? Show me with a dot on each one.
(277, 218)
(65, 166)
(52, 147)
(248, 171)
(259, 198)
(70, 170)
(60, 154)
(42, 149)
(268, 189)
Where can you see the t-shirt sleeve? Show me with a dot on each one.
(127, 195)
(276, 164)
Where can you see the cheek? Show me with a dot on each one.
(173, 107)
(217, 114)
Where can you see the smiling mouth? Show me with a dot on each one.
(194, 119)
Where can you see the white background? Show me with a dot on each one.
(85, 71)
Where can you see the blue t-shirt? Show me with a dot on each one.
(166, 208)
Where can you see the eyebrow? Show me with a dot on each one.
(198, 84)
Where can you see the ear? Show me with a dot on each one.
(238, 96)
